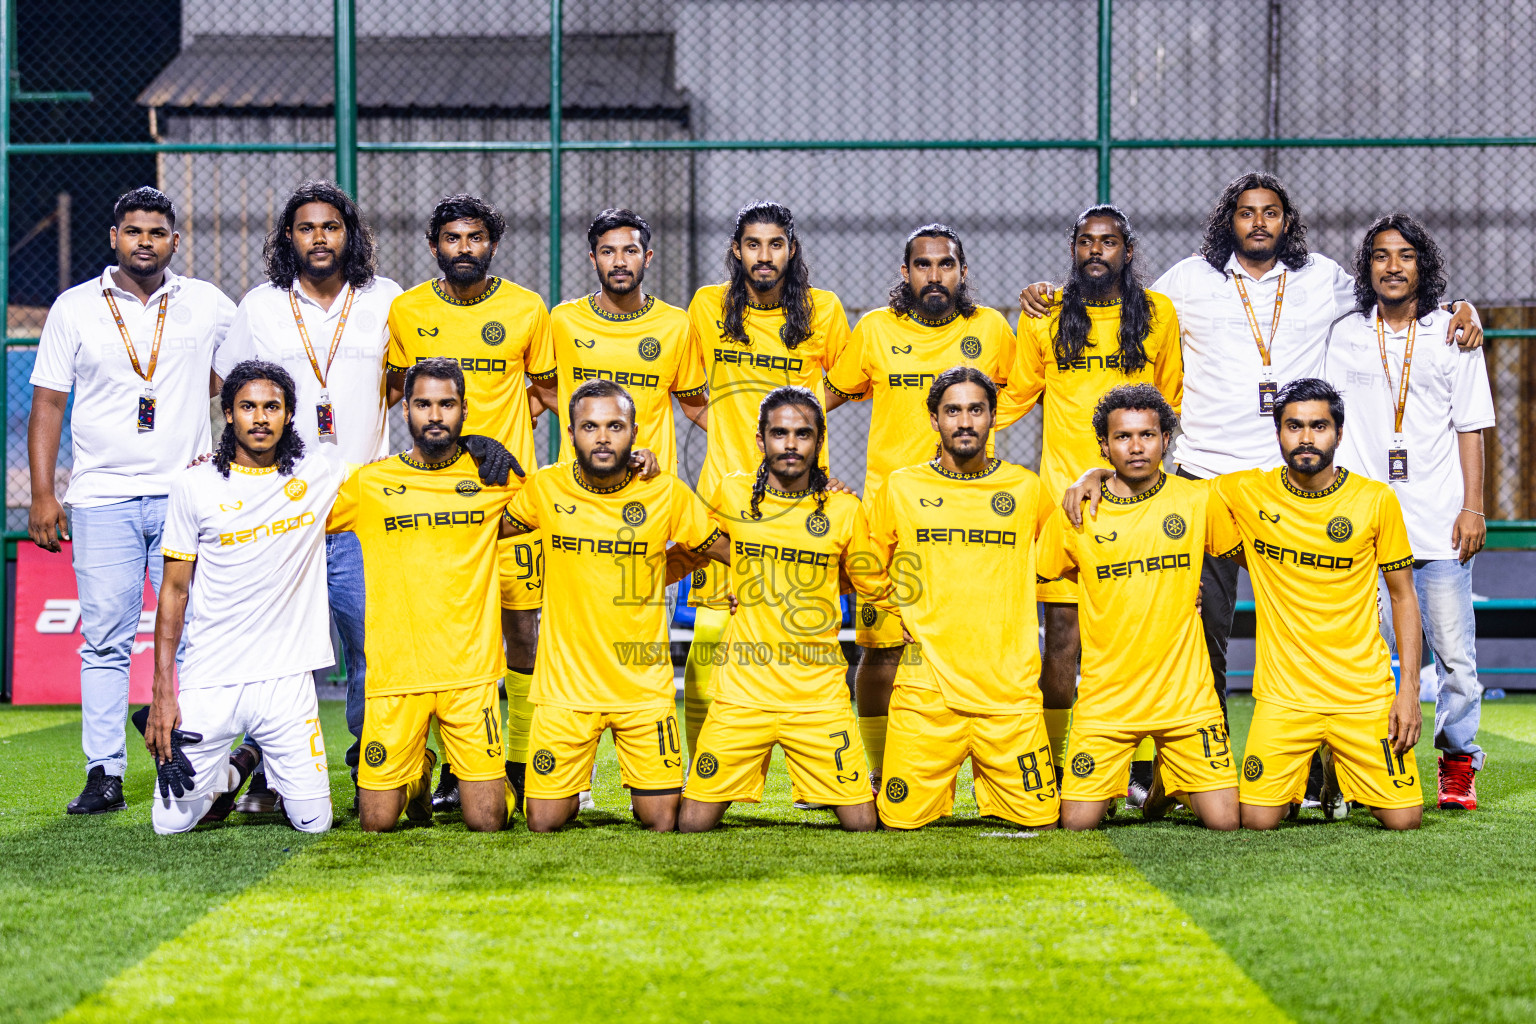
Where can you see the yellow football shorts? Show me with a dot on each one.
(927, 741)
(562, 744)
(395, 735)
(520, 564)
(1280, 746)
(1056, 592)
(1196, 758)
(876, 628)
(822, 750)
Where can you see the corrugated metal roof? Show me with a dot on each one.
(612, 75)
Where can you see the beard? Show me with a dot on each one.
(338, 260)
(590, 468)
(764, 284)
(936, 301)
(463, 270)
(1294, 456)
(626, 287)
(1094, 288)
(436, 447)
(1261, 252)
(964, 446)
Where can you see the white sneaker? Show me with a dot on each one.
(806, 805)
(584, 801)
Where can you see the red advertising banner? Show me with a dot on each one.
(48, 639)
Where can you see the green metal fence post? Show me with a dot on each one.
(346, 95)
(1106, 54)
(556, 131)
(6, 43)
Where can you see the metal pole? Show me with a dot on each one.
(6, 43)
(1272, 113)
(346, 95)
(1106, 54)
(556, 105)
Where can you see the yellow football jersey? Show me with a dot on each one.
(740, 374)
(1145, 665)
(960, 551)
(780, 650)
(604, 645)
(429, 572)
(499, 340)
(1313, 560)
(1072, 389)
(896, 358)
(646, 352)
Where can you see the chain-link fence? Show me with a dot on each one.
(866, 117)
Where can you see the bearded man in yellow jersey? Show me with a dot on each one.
(433, 652)
(958, 537)
(1106, 331)
(764, 328)
(606, 661)
(893, 357)
(782, 674)
(1146, 674)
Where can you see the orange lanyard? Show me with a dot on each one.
(309, 350)
(122, 328)
(1253, 321)
(1402, 387)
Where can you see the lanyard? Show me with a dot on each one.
(1401, 402)
(341, 325)
(1253, 322)
(133, 355)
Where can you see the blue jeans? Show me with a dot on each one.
(349, 601)
(114, 547)
(1444, 587)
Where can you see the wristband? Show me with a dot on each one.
(1474, 512)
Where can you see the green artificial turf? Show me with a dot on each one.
(778, 916)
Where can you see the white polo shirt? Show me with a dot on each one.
(1448, 394)
(1223, 429)
(81, 350)
(264, 328)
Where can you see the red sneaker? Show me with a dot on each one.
(1458, 783)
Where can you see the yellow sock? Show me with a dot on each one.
(1146, 750)
(511, 796)
(708, 627)
(1057, 722)
(437, 741)
(519, 715)
(872, 731)
(416, 787)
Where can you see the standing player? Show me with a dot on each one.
(606, 662)
(243, 545)
(498, 333)
(1315, 537)
(1106, 331)
(1418, 426)
(764, 328)
(894, 355)
(1146, 674)
(323, 315)
(136, 346)
(958, 534)
(782, 679)
(428, 529)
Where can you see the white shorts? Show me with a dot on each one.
(280, 714)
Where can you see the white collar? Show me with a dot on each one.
(336, 303)
(171, 284)
(1234, 268)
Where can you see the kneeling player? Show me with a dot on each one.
(781, 678)
(248, 528)
(958, 536)
(1145, 670)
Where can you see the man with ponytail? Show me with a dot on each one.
(781, 671)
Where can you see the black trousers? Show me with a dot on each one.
(1218, 599)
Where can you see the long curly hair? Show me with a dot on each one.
(290, 447)
(282, 260)
(903, 300)
(1221, 241)
(795, 298)
(1071, 336)
(1430, 260)
(803, 398)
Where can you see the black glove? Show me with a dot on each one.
(176, 774)
(492, 457)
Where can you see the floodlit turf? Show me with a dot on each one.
(777, 917)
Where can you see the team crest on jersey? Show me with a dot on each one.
(1174, 525)
(706, 765)
(374, 753)
(493, 333)
(650, 348)
(1082, 764)
(817, 524)
(1003, 503)
(867, 615)
(295, 489)
(543, 762)
(1339, 529)
(634, 513)
(970, 347)
(699, 576)
(468, 488)
(1253, 768)
(895, 790)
